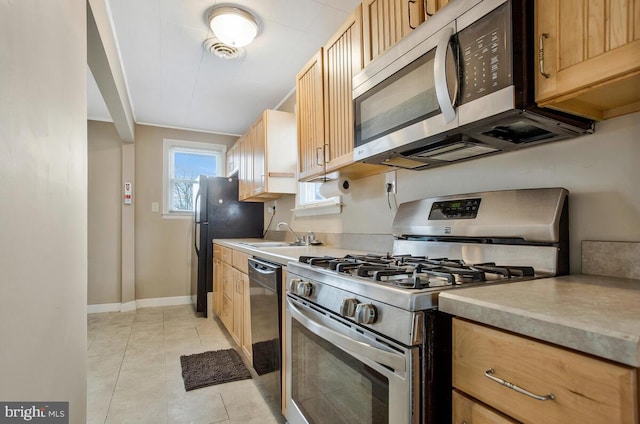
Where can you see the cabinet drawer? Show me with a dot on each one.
(240, 261)
(466, 410)
(585, 389)
(227, 254)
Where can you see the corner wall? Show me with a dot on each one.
(104, 213)
(163, 246)
(43, 206)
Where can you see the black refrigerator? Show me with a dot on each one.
(218, 214)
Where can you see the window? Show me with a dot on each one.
(184, 162)
(309, 201)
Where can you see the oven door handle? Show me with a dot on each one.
(389, 359)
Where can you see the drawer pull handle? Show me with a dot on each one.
(489, 374)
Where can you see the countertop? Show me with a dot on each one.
(592, 314)
(283, 254)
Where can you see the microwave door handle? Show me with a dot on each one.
(389, 359)
(440, 75)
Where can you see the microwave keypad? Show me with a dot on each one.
(485, 62)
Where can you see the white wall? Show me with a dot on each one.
(43, 203)
(601, 171)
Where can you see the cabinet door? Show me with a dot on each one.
(432, 6)
(232, 160)
(590, 51)
(238, 307)
(466, 410)
(585, 389)
(217, 286)
(245, 170)
(246, 321)
(342, 59)
(310, 119)
(258, 150)
(385, 22)
(226, 315)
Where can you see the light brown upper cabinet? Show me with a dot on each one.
(432, 6)
(385, 22)
(309, 100)
(589, 56)
(325, 106)
(233, 157)
(268, 153)
(342, 58)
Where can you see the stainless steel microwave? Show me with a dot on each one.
(460, 86)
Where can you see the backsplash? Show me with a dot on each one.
(372, 243)
(611, 258)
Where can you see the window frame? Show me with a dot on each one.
(169, 148)
(308, 206)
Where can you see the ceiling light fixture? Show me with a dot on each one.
(233, 25)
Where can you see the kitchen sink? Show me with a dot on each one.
(265, 243)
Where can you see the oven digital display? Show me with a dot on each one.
(455, 209)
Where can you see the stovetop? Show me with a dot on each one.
(412, 272)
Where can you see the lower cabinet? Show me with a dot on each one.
(228, 289)
(500, 377)
(467, 410)
(231, 295)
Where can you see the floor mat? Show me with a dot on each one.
(211, 368)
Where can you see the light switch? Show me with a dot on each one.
(155, 207)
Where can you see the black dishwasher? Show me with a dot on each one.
(266, 307)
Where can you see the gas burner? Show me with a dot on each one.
(417, 272)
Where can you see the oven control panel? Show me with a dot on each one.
(455, 209)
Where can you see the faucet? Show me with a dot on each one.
(298, 240)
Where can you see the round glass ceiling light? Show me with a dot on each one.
(233, 26)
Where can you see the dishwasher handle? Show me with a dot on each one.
(265, 274)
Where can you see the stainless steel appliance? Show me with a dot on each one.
(458, 87)
(218, 214)
(365, 341)
(265, 281)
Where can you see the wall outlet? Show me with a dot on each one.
(272, 209)
(390, 184)
(155, 207)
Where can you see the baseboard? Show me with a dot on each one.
(103, 307)
(129, 306)
(164, 301)
(140, 303)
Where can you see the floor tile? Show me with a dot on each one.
(134, 373)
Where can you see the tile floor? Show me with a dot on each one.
(134, 373)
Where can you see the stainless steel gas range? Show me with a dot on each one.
(365, 341)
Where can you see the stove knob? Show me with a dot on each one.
(304, 289)
(366, 313)
(348, 307)
(293, 285)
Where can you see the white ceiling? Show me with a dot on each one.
(174, 82)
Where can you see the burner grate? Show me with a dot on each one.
(417, 272)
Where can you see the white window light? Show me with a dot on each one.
(233, 25)
(183, 162)
(309, 201)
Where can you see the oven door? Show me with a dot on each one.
(338, 372)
